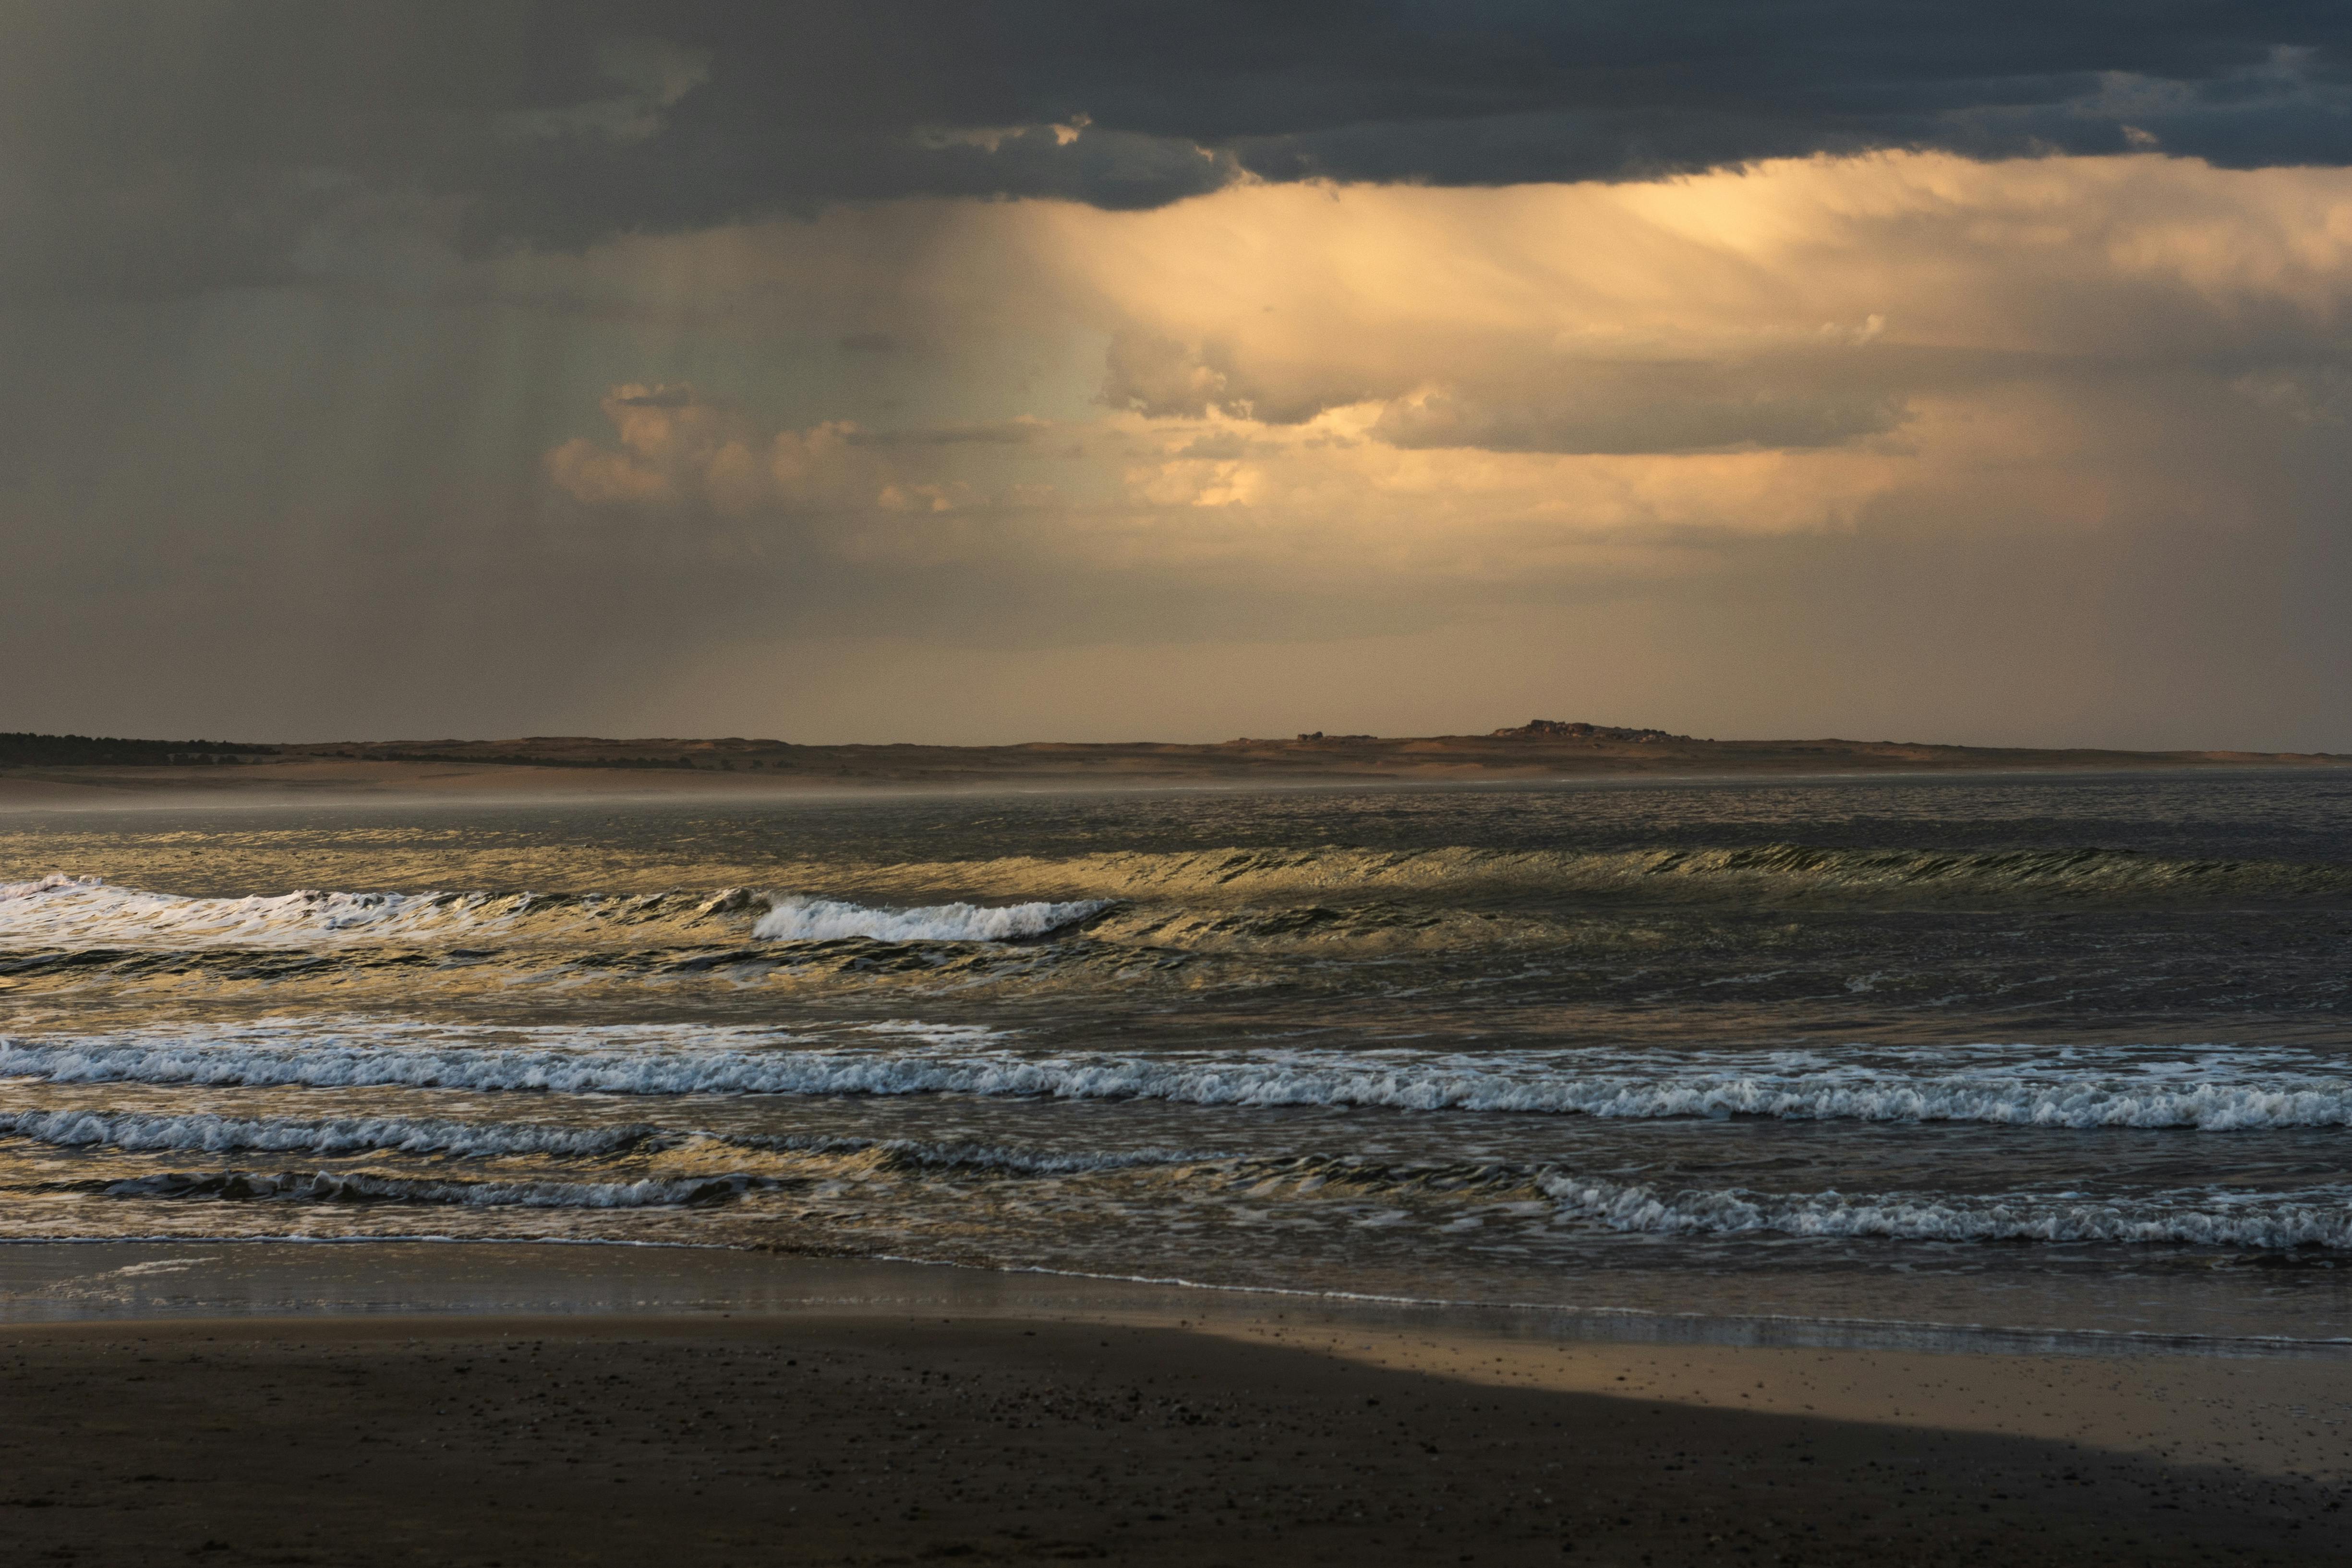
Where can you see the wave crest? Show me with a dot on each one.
(362, 1186)
(945, 1063)
(1781, 869)
(2270, 1225)
(65, 911)
(2265, 1223)
(800, 919)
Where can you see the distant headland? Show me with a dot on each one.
(35, 767)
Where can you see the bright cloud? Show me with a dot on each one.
(1557, 383)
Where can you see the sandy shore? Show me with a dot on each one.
(862, 1413)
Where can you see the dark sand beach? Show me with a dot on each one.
(865, 1413)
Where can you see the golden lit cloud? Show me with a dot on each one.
(1540, 383)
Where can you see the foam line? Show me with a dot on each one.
(205, 1133)
(2269, 1223)
(2156, 1098)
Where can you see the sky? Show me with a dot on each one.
(975, 372)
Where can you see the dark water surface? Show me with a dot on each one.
(2037, 1053)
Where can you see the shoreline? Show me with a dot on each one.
(52, 1281)
(987, 1417)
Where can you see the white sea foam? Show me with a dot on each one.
(2204, 1216)
(660, 1061)
(206, 1133)
(2271, 1222)
(219, 1134)
(82, 911)
(2265, 1221)
(75, 911)
(336, 1186)
(798, 918)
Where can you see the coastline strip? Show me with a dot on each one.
(2273, 1410)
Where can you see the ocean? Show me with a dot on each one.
(2055, 1053)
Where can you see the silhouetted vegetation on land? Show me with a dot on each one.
(534, 760)
(25, 748)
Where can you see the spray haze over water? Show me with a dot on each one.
(2058, 1053)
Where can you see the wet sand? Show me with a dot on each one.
(865, 1439)
(881, 1416)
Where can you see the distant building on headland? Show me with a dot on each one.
(1560, 729)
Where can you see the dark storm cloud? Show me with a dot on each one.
(153, 145)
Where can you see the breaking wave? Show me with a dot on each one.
(2270, 1224)
(943, 1063)
(2269, 1221)
(1034, 898)
(361, 1187)
(797, 919)
(76, 911)
(2265, 1223)
(345, 1135)
(131, 1132)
